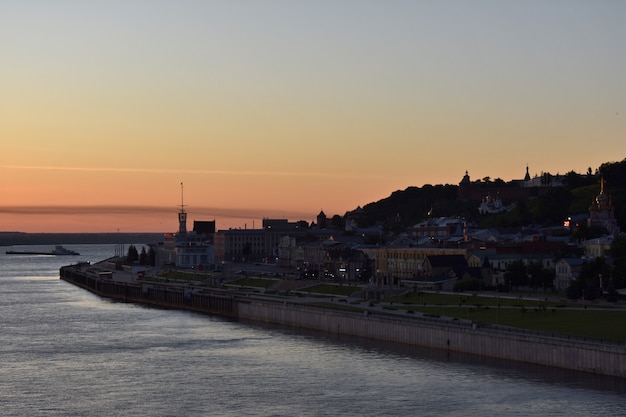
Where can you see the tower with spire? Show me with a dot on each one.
(182, 215)
(527, 176)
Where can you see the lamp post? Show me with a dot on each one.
(498, 309)
(601, 286)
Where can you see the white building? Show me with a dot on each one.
(598, 248)
(185, 249)
(491, 205)
(567, 270)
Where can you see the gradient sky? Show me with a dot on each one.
(284, 108)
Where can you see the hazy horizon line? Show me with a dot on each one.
(234, 213)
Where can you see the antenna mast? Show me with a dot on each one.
(182, 205)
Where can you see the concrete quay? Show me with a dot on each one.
(359, 319)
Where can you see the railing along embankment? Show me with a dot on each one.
(602, 357)
(160, 295)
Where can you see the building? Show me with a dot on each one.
(242, 245)
(322, 220)
(256, 245)
(567, 270)
(439, 229)
(601, 212)
(205, 229)
(392, 264)
(492, 205)
(290, 255)
(512, 191)
(330, 259)
(187, 249)
(598, 248)
(354, 218)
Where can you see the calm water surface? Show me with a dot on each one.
(66, 352)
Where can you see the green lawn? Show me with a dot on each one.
(540, 315)
(331, 289)
(594, 324)
(254, 282)
(184, 276)
(473, 300)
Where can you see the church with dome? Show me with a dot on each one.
(602, 212)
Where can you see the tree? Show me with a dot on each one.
(573, 180)
(618, 253)
(132, 254)
(467, 284)
(151, 256)
(614, 173)
(246, 251)
(593, 278)
(585, 232)
(143, 256)
(547, 277)
(534, 271)
(552, 207)
(337, 222)
(516, 274)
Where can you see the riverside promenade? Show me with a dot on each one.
(356, 317)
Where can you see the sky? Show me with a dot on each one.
(281, 109)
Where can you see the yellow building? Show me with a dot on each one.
(394, 264)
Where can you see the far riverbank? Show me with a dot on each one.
(20, 238)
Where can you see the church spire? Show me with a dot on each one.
(602, 185)
(601, 212)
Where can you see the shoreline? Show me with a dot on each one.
(464, 336)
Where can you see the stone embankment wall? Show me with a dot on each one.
(164, 296)
(512, 344)
(518, 345)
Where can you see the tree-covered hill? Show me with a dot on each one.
(404, 208)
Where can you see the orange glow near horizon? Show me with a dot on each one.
(280, 110)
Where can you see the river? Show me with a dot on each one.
(67, 352)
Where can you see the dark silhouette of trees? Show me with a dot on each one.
(549, 206)
(516, 275)
(132, 255)
(143, 256)
(151, 256)
(337, 222)
(533, 275)
(584, 232)
(573, 180)
(407, 207)
(618, 255)
(552, 207)
(592, 280)
(246, 251)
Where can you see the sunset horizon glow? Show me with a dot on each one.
(283, 109)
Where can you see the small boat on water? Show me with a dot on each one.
(58, 250)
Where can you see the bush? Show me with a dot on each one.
(467, 284)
